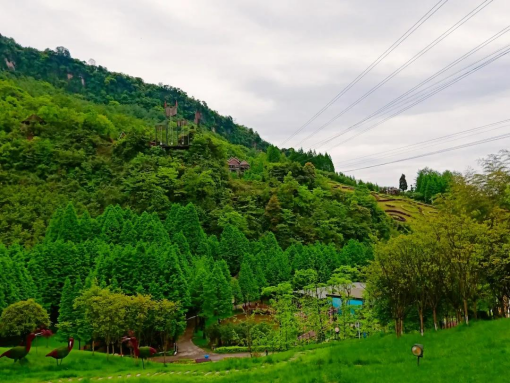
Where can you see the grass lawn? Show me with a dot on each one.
(478, 353)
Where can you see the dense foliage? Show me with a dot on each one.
(74, 153)
(456, 265)
(97, 84)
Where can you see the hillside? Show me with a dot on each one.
(457, 355)
(95, 83)
(98, 155)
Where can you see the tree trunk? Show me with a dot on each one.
(434, 313)
(93, 347)
(420, 312)
(475, 314)
(466, 316)
(107, 349)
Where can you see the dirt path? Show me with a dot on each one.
(188, 350)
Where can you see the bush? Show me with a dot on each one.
(234, 349)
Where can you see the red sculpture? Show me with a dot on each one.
(140, 352)
(20, 352)
(61, 352)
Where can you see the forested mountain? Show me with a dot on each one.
(56, 148)
(94, 213)
(97, 84)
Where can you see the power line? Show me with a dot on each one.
(444, 35)
(447, 138)
(479, 142)
(437, 90)
(391, 104)
(399, 41)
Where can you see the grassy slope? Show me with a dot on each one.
(400, 208)
(475, 354)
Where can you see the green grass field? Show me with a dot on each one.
(478, 353)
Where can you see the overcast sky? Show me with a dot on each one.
(273, 64)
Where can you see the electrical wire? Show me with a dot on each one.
(444, 35)
(479, 142)
(389, 106)
(399, 41)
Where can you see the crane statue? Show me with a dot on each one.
(61, 352)
(140, 352)
(20, 352)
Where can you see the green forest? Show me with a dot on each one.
(93, 216)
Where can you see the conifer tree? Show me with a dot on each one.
(217, 294)
(189, 224)
(65, 311)
(237, 294)
(233, 246)
(86, 226)
(273, 213)
(54, 226)
(112, 226)
(171, 218)
(248, 284)
(172, 279)
(128, 234)
(69, 225)
(214, 247)
(403, 182)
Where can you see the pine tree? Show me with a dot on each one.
(66, 317)
(86, 226)
(233, 245)
(189, 224)
(172, 279)
(171, 218)
(248, 283)
(217, 296)
(69, 225)
(403, 182)
(112, 226)
(273, 212)
(236, 291)
(54, 226)
(128, 234)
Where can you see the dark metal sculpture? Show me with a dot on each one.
(61, 352)
(20, 352)
(140, 352)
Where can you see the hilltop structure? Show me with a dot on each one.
(235, 165)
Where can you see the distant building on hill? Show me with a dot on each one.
(390, 191)
(235, 165)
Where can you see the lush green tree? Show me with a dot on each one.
(233, 246)
(22, 318)
(248, 283)
(402, 183)
(217, 294)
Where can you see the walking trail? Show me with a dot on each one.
(188, 350)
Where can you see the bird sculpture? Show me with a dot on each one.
(20, 352)
(61, 352)
(140, 352)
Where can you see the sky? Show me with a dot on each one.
(272, 65)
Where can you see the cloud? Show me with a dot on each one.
(273, 64)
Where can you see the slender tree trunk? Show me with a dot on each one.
(475, 314)
(466, 317)
(107, 349)
(434, 313)
(93, 347)
(420, 312)
(401, 326)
